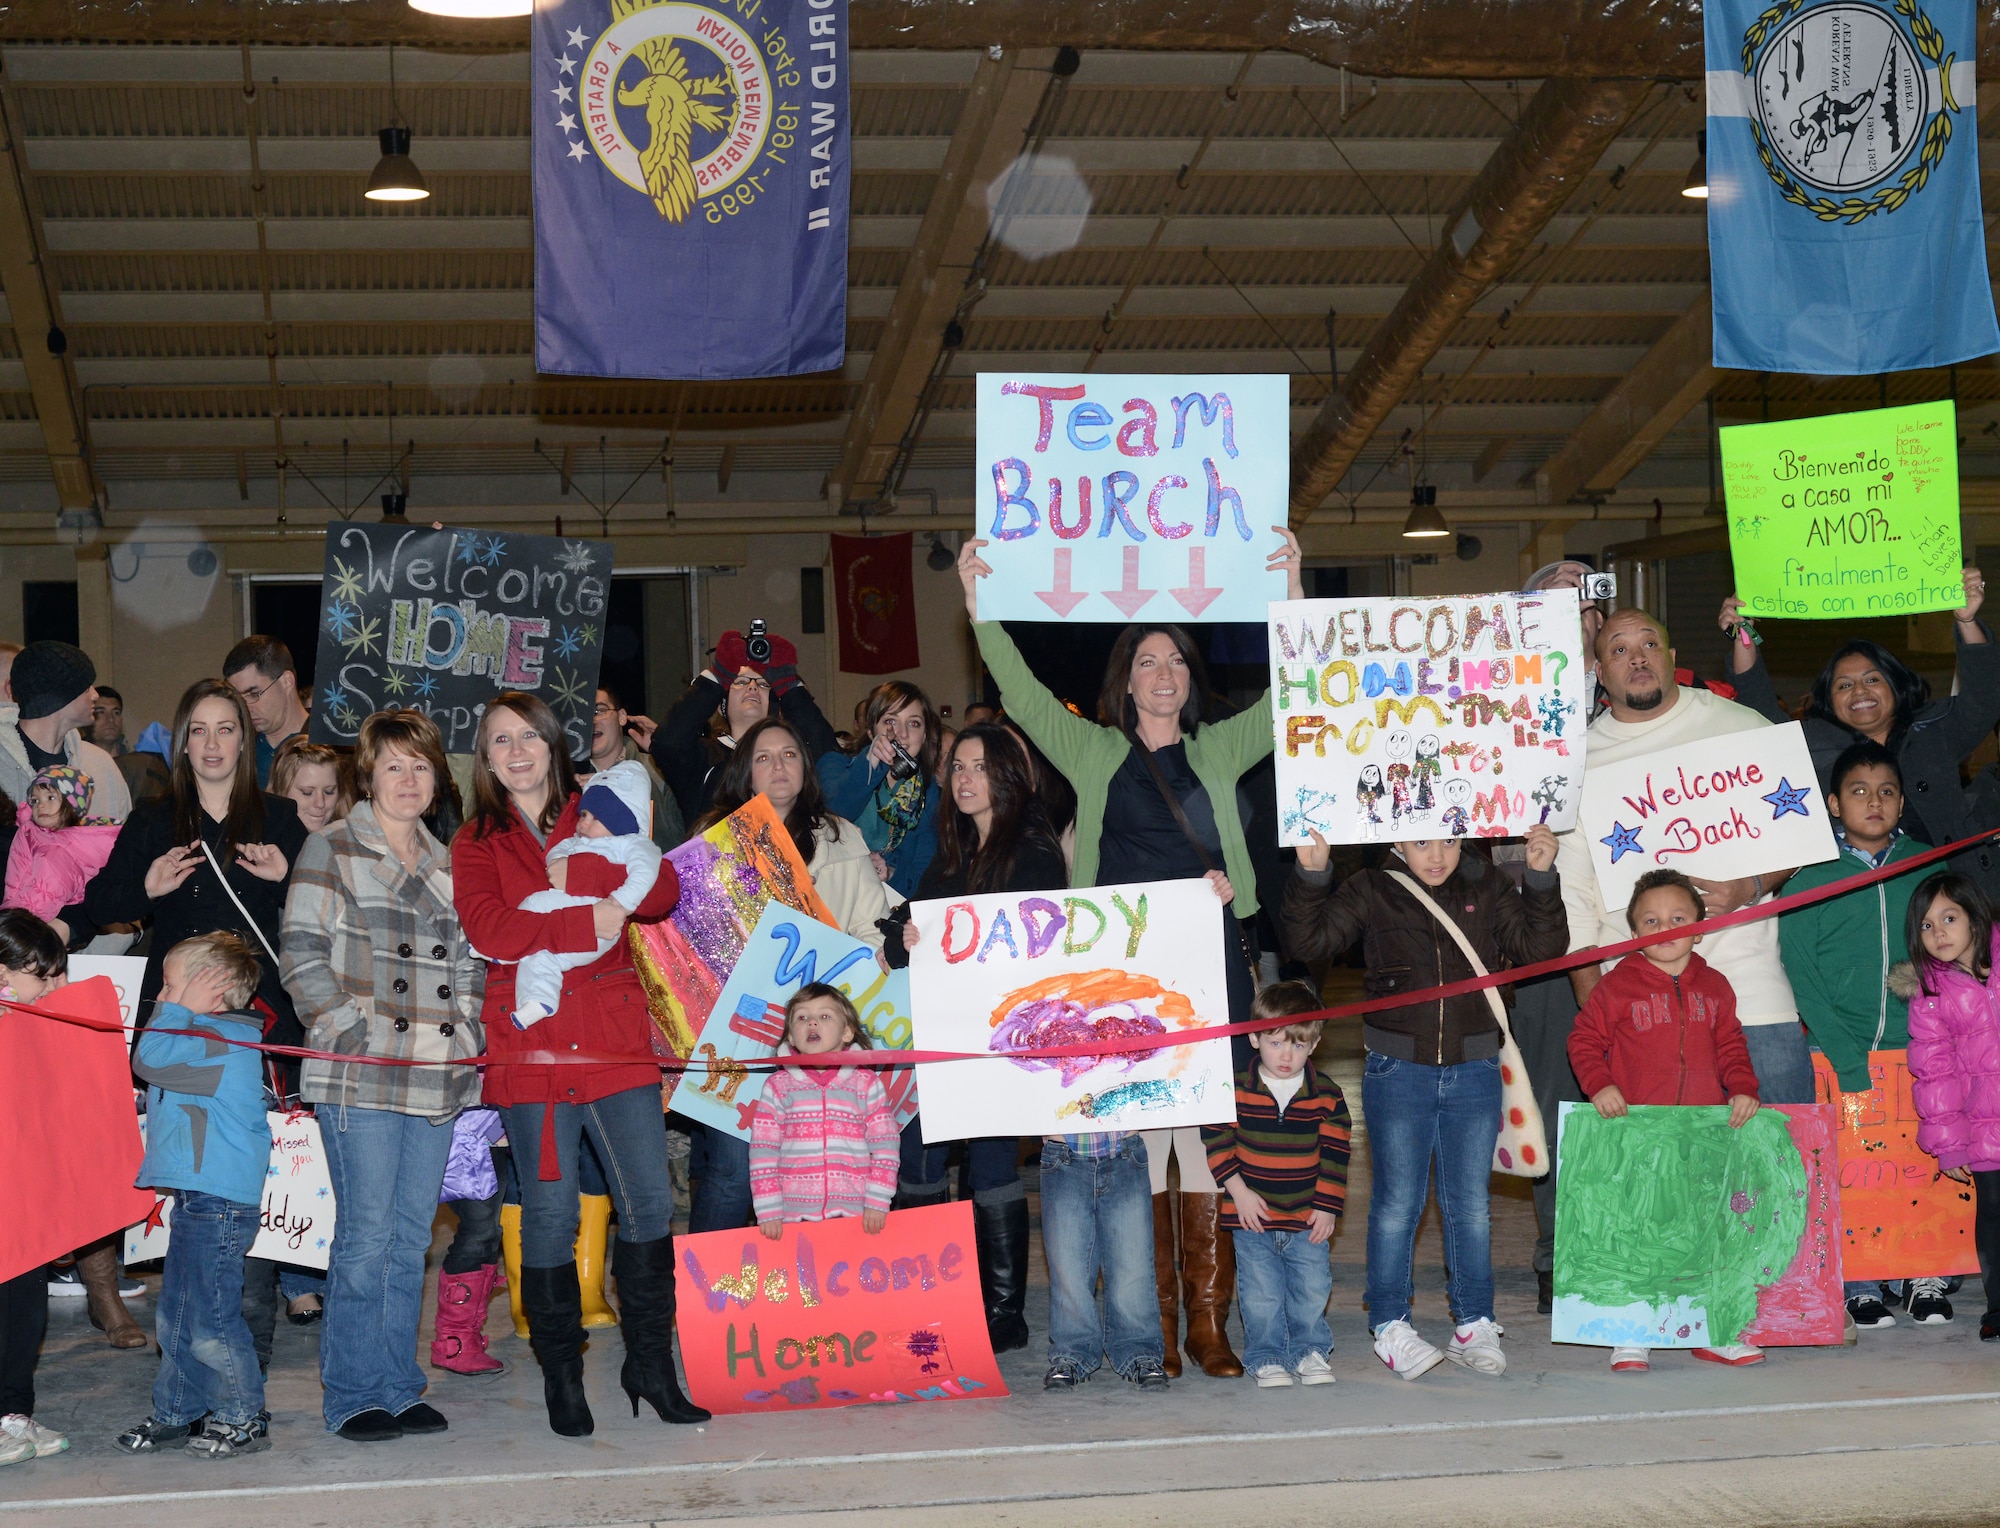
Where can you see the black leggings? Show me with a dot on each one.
(24, 1317)
(1986, 1238)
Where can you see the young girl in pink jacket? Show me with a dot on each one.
(59, 847)
(823, 1140)
(1955, 1053)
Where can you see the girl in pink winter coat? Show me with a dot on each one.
(59, 847)
(1953, 984)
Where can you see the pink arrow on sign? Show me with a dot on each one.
(1199, 594)
(1130, 597)
(1061, 599)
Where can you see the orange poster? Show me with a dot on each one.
(1901, 1220)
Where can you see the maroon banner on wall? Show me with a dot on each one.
(875, 603)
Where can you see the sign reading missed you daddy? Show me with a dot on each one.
(443, 620)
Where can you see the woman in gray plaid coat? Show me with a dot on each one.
(376, 961)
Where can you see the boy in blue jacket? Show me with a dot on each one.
(207, 1142)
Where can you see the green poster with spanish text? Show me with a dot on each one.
(1845, 515)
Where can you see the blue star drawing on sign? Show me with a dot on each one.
(333, 696)
(1788, 798)
(569, 644)
(427, 688)
(340, 620)
(1622, 841)
(494, 547)
(468, 549)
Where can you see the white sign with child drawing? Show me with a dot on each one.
(298, 1211)
(1719, 808)
(1004, 973)
(127, 972)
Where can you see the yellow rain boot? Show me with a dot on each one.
(593, 1226)
(510, 1252)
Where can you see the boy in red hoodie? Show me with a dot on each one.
(1662, 1029)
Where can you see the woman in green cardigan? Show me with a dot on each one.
(1150, 740)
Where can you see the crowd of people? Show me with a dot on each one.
(387, 904)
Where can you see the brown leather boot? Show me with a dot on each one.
(98, 1269)
(1166, 1273)
(1208, 1268)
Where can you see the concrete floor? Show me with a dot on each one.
(1910, 1416)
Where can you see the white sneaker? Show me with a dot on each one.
(1630, 1360)
(1398, 1345)
(15, 1450)
(1477, 1347)
(1273, 1377)
(1735, 1354)
(1315, 1370)
(43, 1440)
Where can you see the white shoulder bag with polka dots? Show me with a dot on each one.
(1522, 1148)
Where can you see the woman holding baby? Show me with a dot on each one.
(525, 806)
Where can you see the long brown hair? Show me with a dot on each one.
(1018, 819)
(1115, 707)
(891, 696)
(493, 809)
(733, 789)
(244, 823)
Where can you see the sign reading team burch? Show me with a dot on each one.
(1719, 808)
(1110, 497)
(1846, 515)
(443, 620)
(1444, 717)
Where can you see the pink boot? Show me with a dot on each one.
(460, 1343)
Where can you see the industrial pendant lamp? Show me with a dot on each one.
(396, 177)
(1426, 520)
(1696, 184)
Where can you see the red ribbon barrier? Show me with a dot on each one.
(1754, 913)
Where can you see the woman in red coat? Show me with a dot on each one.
(524, 803)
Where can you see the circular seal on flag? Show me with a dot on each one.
(1848, 98)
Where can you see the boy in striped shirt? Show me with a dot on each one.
(1284, 1165)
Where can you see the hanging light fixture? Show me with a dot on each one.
(1425, 519)
(474, 10)
(1696, 184)
(396, 177)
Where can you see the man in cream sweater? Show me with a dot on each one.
(1649, 712)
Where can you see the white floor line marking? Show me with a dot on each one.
(1013, 1451)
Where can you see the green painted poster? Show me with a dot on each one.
(1846, 515)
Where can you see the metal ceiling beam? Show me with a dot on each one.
(36, 310)
(1561, 135)
(1636, 415)
(1005, 94)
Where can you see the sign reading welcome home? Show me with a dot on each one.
(443, 620)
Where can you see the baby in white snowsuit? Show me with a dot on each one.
(612, 821)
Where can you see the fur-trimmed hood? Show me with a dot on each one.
(1903, 981)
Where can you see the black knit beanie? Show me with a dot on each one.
(49, 675)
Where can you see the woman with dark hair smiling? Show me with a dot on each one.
(1865, 691)
(890, 788)
(525, 801)
(1156, 800)
(996, 838)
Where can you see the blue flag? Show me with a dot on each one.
(691, 187)
(1844, 227)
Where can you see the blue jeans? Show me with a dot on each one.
(1418, 1115)
(387, 1170)
(1097, 1216)
(720, 1166)
(1782, 1061)
(1282, 1285)
(628, 1130)
(991, 1161)
(208, 1364)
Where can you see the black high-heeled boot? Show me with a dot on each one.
(553, 1301)
(1000, 1231)
(645, 1274)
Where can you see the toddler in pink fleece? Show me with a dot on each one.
(823, 1140)
(59, 847)
(1954, 992)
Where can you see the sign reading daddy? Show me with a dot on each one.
(1427, 718)
(442, 620)
(1847, 515)
(1117, 495)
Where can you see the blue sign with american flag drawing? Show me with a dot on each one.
(691, 187)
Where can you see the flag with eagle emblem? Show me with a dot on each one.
(1844, 226)
(691, 187)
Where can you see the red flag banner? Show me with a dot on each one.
(827, 1315)
(69, 1186)
(875, 602)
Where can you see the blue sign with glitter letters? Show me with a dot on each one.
(691, 164)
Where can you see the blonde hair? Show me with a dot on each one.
(225, 953)
(295, 754)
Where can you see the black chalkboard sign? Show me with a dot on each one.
(442, 620)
